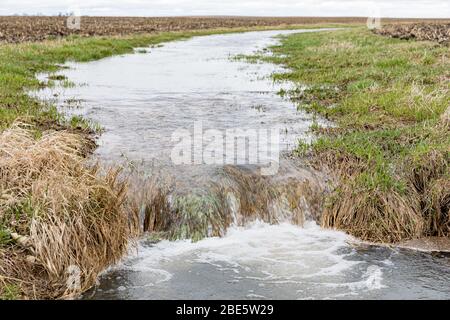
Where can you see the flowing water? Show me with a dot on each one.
(142, 99)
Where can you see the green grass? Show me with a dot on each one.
(391, 149)
(373, 78)
(86, 125)
(10, 292)
(5, 237)
(386, 95)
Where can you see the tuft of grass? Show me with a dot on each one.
(57, 77)
(84, 125)
(5, 237)
(167, 215)
(9, 291)
(59, 213)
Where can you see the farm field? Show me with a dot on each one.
(18, 28)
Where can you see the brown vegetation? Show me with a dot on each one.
(420, 210)
(439, 32)
(19, 29)
(57, 214)
(34, 28)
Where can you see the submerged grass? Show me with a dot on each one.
(391, 149)
(239, 197)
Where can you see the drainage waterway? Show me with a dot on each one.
(141, 99)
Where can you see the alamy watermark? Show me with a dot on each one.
(73, 21)
(374, 17)
(235, 146)
(73, 282)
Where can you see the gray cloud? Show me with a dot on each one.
(387, 8)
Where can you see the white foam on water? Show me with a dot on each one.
(371, 280)
(269, 255)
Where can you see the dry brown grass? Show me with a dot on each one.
(170, 215)
(269, 200)
(438, 207)
(387, 216)
(59, 212)
(376, 216)
(431, 180)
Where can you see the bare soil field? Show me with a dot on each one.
(15, 29)
(439, 32)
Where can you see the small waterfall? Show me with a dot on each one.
(238, 197)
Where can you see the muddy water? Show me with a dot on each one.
(141, 99)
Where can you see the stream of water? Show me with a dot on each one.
(141, 99)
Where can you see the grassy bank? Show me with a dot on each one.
(390, 150)
(59, 215)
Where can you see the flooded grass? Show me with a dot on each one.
(19, 64)
(47, 191)
(391, 151)
(241, 196)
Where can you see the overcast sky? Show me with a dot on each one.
(387, 8)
